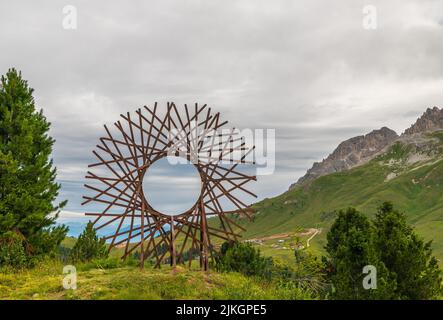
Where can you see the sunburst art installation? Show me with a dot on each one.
(194, 134)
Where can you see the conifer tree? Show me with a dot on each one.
(27, 175)
(407, 256)
(351, 247)
(406, 267)
(89, 246)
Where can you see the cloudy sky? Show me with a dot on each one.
(307, 68)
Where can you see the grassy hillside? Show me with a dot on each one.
(113, 280)
(415, 187)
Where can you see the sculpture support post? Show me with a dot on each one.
(204, 262)
(142, 253)
(173, 251)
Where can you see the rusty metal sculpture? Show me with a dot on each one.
(194, 134)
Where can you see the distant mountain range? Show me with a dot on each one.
(363, 172)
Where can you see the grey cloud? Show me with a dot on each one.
(305, 68)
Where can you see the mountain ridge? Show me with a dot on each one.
(362, 149)
(430, 120)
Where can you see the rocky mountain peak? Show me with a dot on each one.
(350, 153)
(431, 120)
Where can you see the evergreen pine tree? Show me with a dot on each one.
(406, 255)
(88, 246)
(350, 248)
(406, 268)
(27, 176)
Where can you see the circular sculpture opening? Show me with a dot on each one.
(172, 186)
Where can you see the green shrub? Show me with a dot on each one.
(243, 258)
(305, 278)
(12, 251)
(306, 274)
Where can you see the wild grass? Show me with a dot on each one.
(116, 280)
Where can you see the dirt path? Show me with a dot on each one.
(274, 236)
(314, 233)
(311, 232)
